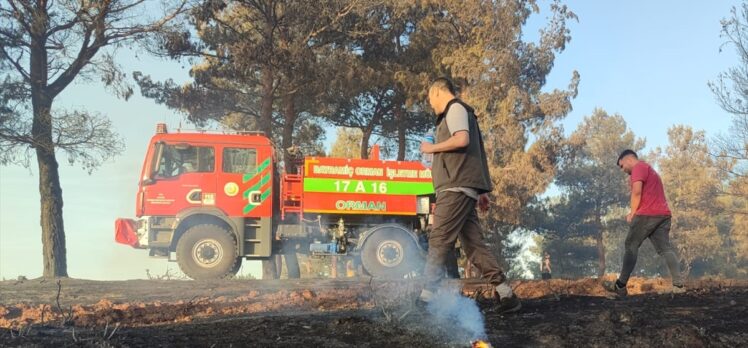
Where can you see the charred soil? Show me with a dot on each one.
(354, 312)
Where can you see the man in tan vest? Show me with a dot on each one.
(461, 181)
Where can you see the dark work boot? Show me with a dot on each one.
(509, 305)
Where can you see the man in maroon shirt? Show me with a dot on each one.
(649, 218)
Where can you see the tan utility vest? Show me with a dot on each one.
(465, 167)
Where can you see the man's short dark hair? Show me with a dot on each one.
(626, 153)
(444, 84)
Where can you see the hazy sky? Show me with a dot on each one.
(650, 61)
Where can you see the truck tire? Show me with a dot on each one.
(236, 268)
(390, 254)
(207, 252)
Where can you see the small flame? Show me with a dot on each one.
(480, 344)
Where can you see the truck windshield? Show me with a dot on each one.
(176, 160)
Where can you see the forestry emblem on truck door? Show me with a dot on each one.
(231, 189)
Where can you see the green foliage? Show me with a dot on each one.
(347, 144)
(481, 45)
(692, 184)
(730, 151)
(259, 65)
(366, 64)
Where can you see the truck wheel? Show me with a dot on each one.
(236, 268)
(390, 254)
(207, 252)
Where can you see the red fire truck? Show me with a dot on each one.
(209, 200)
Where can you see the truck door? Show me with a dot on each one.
(183, 177)
(245, 181)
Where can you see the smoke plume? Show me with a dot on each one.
(448, 305)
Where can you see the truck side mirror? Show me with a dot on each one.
(158, 151)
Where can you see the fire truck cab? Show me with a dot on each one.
(209, 200)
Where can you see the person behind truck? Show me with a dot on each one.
(461, 181)
(545, 266)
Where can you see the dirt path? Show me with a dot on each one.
(350, 313)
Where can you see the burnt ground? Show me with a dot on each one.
(345, 313)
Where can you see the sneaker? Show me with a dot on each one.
(421, 304)
(423, 299)
(612, 287)
(509, 305)
(678, 289)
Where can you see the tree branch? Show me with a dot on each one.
(19, 13)
(16, 64)
(98, 26)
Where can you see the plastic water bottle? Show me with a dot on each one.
(427, 158)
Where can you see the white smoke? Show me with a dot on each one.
(450, 306)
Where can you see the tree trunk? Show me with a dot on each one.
(53, 231)
(292, 264)
(278, 265)
(50, 191)
(401, 141)
(266, 102)
(367, 131)
(600, 249)
(267, 77)
(365, 137)
(268, 268)
(289, 118)
(266, 126)
(600, 255)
